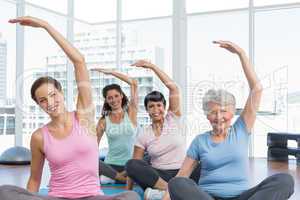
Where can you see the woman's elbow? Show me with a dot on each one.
(80, 60)
(258, 88)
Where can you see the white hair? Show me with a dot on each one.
(221, 97)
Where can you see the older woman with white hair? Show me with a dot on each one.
(223, 151)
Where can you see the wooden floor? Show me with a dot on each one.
(259, 170)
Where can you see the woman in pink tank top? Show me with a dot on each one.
(69, 141)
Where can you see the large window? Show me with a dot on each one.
(277, 62)
(98, 44)
(55, 5)
(214, 5)
(136, 9)
(273, 2)
(7, 75)
(42, 57)
(145, 32)
(96, 11)
(141, 40)
(212, 67)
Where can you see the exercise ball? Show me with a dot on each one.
(16, 156)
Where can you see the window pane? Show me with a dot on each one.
(277, 60)
(7, 75)
(10, 125)
(42, 57)
(273, 2)
(136, 9)
(141, 40)
(209, 66)
(213, 5)
(98, 45)
(2, 125)
(56, 5)
(96, 11)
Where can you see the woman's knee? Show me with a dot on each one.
(132, 166)
(179, 183)
(283, 181)
(9, 191)
(5, 188)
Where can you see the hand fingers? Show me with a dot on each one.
(222, 42)
(14, 20)
(97, 70)
(135, 64)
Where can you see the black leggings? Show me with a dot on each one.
(110, 170)
(146, 176)
(276, 187)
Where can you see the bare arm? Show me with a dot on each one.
(37, 162)
(133, 103)
(174, 94)
(138, 153)
(254, 98)
(100, 129)
(187, 167)
(186, 170)
(84, 103)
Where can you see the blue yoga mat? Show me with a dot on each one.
(107, 191)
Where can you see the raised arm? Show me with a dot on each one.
(133, 103)
(174, 94)
(84, 103)
(254, 98)
(37, 162)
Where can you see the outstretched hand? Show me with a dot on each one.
(230, 46)
(142, 63)
(102, 70)
(29, 21)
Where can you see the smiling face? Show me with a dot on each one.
(220, 117)
(156, 110)
(50, 99)
(114, 99)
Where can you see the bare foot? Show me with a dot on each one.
(121, 176)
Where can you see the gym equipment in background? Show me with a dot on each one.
(16, 156)
(278, 149)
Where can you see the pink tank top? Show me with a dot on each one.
(73, 163)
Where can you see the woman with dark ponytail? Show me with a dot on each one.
(119, 122)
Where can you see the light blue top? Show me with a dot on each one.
(121, 138)
(224, 166)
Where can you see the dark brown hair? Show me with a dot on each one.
(155, 96)
(40, 81)
(106, 107)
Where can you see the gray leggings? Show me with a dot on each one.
(276, 187)
(109, 170)
(9, 192)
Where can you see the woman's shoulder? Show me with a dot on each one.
(202, 136)
(144, 131)
(37, 134)
(37, 138)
